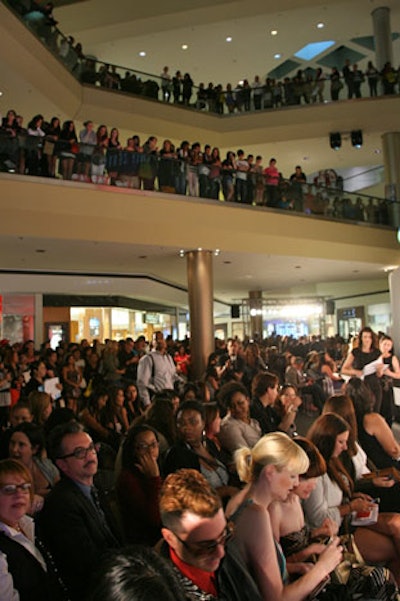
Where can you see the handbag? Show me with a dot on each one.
(362, 580)
(351, 558)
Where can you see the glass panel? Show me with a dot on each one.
(149, 171)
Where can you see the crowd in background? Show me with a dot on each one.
(144, 418)
(96, 154)
(305, 87)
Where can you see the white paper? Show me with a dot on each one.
(50, 386)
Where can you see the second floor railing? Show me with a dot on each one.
(215, 98)
(150, 170)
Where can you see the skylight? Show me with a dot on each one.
(310, 51)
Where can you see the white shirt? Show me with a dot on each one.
(155, 372)
(26, 539)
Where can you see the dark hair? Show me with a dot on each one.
(57, 436)
(211, 410)
(373, 336)
(135, 573)
(128, 448)
(317, 462)
(226, 392)
(34, 433)
(323, 433)
(192, 406)
(342, 405)
(262, 381)
(362, 397)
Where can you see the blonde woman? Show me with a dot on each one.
(271, 471)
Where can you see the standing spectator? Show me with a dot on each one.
(166, 84)
(182, 173)
(204, 172)
(187, 86)
(258, 91)
(242, 168)
(177, 86)
(298, 178)
(271, 175)
(155, 372)
(195, 158)
(358, 78)
(336, 84)
(348, 78)
(372, 74)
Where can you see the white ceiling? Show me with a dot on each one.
(155, 273)
(117, 31)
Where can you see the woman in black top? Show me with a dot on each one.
(358, 364)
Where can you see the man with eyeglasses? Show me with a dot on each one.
(199, 542)
(74, 523)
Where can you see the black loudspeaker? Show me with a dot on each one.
(357, 138)
(235, 311)
(335, 140)
(330, 307)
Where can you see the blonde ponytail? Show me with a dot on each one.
(244, 464)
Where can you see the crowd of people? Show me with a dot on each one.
(305, 87)
(96, 154)
(109, 449)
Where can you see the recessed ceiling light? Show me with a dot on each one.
(181, 253)
(185, 46)
(229, 38)
(320, 25)
(274, 32)
(277, 55)
(1, 93)
(227, 262)
(142, 257)
(40, 250)
(241, 82)
(142, 53)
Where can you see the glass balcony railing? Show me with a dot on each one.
(218, 99)
(150, 170)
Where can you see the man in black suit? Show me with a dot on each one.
(73, 522)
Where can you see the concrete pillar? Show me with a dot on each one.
(256, 318)
(38, 323)
(200, 287)
(391, 162)
(383, 36)
(394, 288)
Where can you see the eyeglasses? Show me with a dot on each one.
(81, 452)
(289, 396)
(143, 446)
(11, 489)
(207, 547)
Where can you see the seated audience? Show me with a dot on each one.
(135, 573)
(75, 522)
(27, 445)
(334, 497)
(138, 486)
(238, 428)
(270, 471)
(197, 541)
(24, 573)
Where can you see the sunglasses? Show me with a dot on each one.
(207, 547)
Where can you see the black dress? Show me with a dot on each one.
(362, 359)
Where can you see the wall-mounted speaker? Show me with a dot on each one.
(235, 311)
